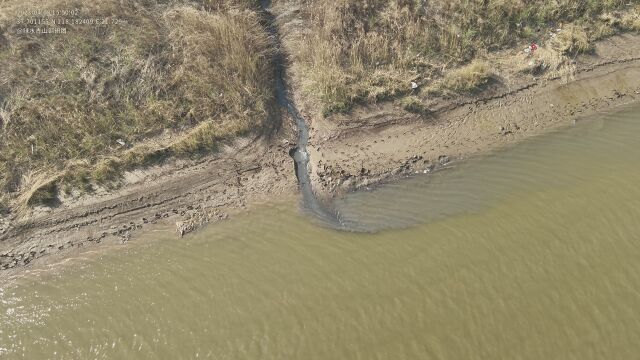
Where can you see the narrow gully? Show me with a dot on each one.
(310, 202)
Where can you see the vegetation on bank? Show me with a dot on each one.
(347, 52)
(178, 78)
(77, 109)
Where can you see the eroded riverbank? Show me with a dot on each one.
(382, 143)
(376, 145)
(528, 252)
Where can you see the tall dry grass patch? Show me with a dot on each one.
(77, 97)
(369, 50)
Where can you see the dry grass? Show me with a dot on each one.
(202, 69)
(547, 61)
(414, 105)
(628, 20)
(555, 60)
(572, 40)
(363, 51)
(467, 78)
(631, 20)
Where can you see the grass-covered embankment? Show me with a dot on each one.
(77, 109)
(175, 78)
(349, 52)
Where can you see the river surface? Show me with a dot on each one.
(532, 252)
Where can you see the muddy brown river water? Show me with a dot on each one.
(532, 252)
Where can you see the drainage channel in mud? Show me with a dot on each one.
(310, 202)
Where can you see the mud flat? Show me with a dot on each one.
(369, 146)
(184, 195)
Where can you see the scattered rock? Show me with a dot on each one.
(184, 227)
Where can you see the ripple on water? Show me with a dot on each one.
(560, 159)
(529, 253)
